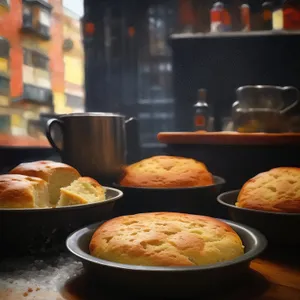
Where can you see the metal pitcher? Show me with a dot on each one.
(263, 108)
(93, 143)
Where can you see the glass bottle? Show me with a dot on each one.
(217, 17)
(267, 8)
(291, 15)
(245, 17)
(201, 116)
(187, 16)
(277, 17)
(227, 23)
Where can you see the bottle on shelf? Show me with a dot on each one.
(201, 109)
(227, 20)
(267, 8)
(203, 19)
(187, 17)
(245, 17)
(291, 15)
(277, 17)
(217, 17)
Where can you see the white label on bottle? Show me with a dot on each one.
(217, 27)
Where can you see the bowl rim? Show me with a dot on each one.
(220, 199)
(218, 182)
(119, 194)
(260, 244)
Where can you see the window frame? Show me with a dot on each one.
(5, 3)
(27, 57)
(35, 59)
(5, 91)
(7, 52)
(27, 15)
(30, 91)
(45, 13)
(32, 22)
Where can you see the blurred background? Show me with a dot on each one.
(41, 63)
(144, 59)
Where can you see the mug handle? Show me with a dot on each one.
(295, 101)
(50, 123)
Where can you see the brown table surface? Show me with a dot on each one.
(228, 138)
(273, 276)
(22, 141)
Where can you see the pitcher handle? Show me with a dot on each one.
(50, 124)
(295, 101)
(129, 120)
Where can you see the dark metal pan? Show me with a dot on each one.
(279, 228)
(169, 281)
(32, 231)
(194, 200)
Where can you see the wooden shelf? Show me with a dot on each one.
(228, 138)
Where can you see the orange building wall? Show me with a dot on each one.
(56, 48)
(10, 28)
(10, 25)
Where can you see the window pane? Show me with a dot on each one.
(74, 101)
(4, 48)
(35, 59)
(45, 18)
(4, 86)
(39, 61)
(27, 57)
(4, 2)
(45, 63)
(26, 10)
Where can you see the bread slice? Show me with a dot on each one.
(57, 175)
(84, 190)
(19, 191)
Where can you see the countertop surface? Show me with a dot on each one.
(23, 141)
(228, 138)
(275, 275)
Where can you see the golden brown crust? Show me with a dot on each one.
(277, 190)
(56, 174)
(167, 171)
(18, 191)
(165, 239)
(42, 169)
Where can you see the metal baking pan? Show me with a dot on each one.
(279, 228)
(44, 230)
(169, 281)
(194, 200)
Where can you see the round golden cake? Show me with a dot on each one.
(167, 171)
(165, 239)
(277, 190)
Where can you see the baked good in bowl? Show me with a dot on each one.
(19, 191)
(56, 174)
(84, 190)
(277, 190)
(165, 239)
(166, 172)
